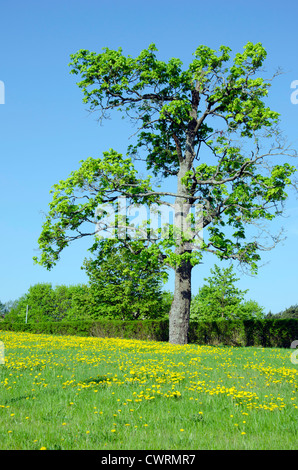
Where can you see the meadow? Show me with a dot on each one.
(70, 392)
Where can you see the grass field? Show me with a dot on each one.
(67, 392)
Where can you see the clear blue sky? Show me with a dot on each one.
(45, 128)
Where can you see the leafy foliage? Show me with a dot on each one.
(48, 304)
(2, 309)
(125, 283)
(220, 298)
(108, 296)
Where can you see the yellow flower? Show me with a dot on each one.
(43, 448)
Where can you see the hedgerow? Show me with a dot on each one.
(265, 332)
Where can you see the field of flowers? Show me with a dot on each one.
(67, 392)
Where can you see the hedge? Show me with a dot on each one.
(271, 332)
(143, 330)
(279, 333)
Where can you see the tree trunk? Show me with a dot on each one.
(179, 314)
(180, 309)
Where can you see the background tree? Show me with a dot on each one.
(2, 309)
(290, 312)
(206, 126)
(251, 309)
(82, 303)
(125, 284)
(220, 298)
(8, 306)
(44, 303)
(39, 299)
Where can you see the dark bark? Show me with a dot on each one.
(180, 309)
(179, 314)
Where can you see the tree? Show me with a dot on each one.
(207, 127)
(124, 284)
(44, 303)
(220, 298)
(251, 309)
(290, 312)
(8, 306)
(39, 299)
(2, 309)
(82, 303)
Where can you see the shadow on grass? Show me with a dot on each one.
(16, 399)
(99, 379)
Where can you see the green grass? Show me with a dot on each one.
(63, 392)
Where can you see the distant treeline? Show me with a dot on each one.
(290, 312)
(82, 302)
